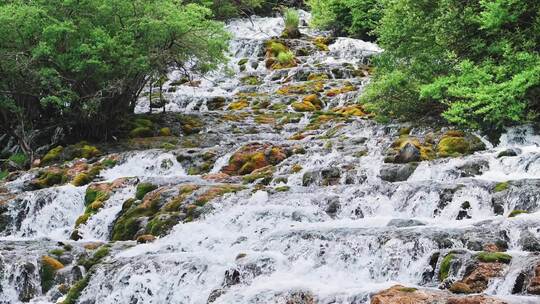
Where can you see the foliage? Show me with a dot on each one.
(225, 9)
(19, 158)
(285, 57)
(292, 20)
(476, 63)
(80, 65)
(356, 18)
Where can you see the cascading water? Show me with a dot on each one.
(329, 227)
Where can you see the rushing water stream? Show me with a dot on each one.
(339, 232)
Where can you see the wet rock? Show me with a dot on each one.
(509, 152)
(145, 238)
(332, 205)
(400, 223)
(534, 284)
(406, 295)
(473, 167)
(477, 278)
(322, 177)
(409, 153)
(300, 297)
(525, 192)
(254, 156)
(396, 172)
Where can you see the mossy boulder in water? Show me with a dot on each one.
(49, 267)
(456, 143)
(53, 155)
(254, 156)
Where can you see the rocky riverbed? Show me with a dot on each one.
(266, 182)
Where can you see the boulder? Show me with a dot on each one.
(399, 294)
(397, 172)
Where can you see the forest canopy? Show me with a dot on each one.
(80, 65)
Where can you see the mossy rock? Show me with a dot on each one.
(98, 255)
(444, 269)
(165, 132)
(53, 155)
(238, 105)
(81, 179)
(515, 213)
(250, 80)
(49, 178)
(282, 188)
(501, 187)
(494, 257)
(452, 146)
(264, 174)
(254, 156)
(76, 290)
(49, 267)
(303, 106)
(143, 189)
(141, 132)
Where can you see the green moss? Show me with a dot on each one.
(19, 158)
(142, 122)
(159, 226)
(57, 252)
(444, 270)
(109, 163)
(81, 179)
(100, 253)
(250, 80)
(264, 173)
(52, 155)
(168, 146)
(242, 61)
(501, 187)
(76, 290)
(282, 189)
(93, 195)
(141, 132)
(143, 189)
(517, 212)
(494, 257)
(452, 146)
(165, 132)
(3, 174)
(82, 219)
(50, 178)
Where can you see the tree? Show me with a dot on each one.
(477, 63)
(80, 65)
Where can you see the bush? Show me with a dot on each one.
(475, 63)
(356, 18)
(75, 65)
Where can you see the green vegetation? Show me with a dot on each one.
(356, 18)
(100, 253)
(501, 187)
(292, 20)
(80, 65)
(144, 188)
(76, 290)
(515, 213)
(493, 257)
(444, 269)
(475, 63)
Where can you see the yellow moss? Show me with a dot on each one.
(81, 179)
(96, 205)
(321, 43)
(165, 131)
(309, 87)
(304, 106)
(336, 91)
(296, 168)
(239, 105)
(52, 155)
(317, 76)
(355, 110)
(51, 262)
(82, 219)
(450, 146)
